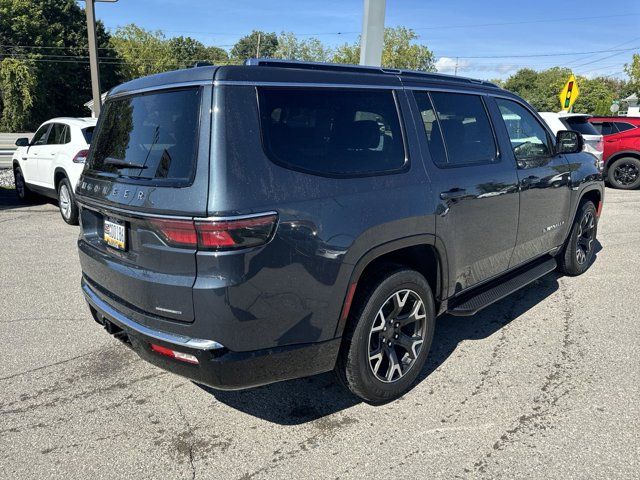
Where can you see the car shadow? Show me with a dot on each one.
(10, 201)
(303, 400)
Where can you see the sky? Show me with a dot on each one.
(591, 37)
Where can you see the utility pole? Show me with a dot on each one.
(93, 53)
(258, 47)
(372, 39)
(455, 72)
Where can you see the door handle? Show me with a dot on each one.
(25, 158)
(531, 180)
(453, 193)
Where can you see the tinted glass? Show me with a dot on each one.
(528, 137)
(605, 128)
(40, 138)
(431, 128)
(467, 133)
(151, 136)
(88, 134)
(623, 126)
(57, 134)
(580, 124)
(339, 132)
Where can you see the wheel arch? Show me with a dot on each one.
(618, 155)
(424, 253)
(58, 174)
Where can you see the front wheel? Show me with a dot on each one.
(23, 192)
(625, 173)
(67, 203)
(579, 249)
(387, 342)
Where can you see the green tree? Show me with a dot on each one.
(256, 44)
(217, 55)
(144, 52)
(633, 70)
(292, 48)
(399, 51)
(17, 86)
(540, 89)
(597, 94)
(50, 36)
(185, 51)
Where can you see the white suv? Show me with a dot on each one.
(52, 162)
(593, 142)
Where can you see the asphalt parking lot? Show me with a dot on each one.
(544, 384)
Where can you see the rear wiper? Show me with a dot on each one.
(122, 163)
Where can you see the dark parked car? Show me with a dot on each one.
(248, 224)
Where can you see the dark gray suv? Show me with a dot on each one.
(248, 224)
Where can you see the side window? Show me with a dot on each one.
(528, 137)
(40, 138)
(466, 130)
(332, 132)
(598, 127)
(57, 134)
(623, 126)
(608, 128)
(431, 128)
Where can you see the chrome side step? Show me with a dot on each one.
(474, 302)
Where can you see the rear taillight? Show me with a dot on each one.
(225, 234)
(81, 156)
(167, 352)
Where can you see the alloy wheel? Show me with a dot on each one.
(397, 335)
(65, 201)
(585, 237)
(626, 173)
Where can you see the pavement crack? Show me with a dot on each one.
(190, 443)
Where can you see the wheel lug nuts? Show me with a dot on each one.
(395, 336)
(384, 340)
(397, 324)
(384, 329)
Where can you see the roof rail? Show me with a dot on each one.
(341, 67)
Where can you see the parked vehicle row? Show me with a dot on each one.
(51, 163)
(242, 225)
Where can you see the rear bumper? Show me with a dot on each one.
(217, 367)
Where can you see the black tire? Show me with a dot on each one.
(577, 254)
(355, 367)
(624, 173)
(67, 202)
(22, 191)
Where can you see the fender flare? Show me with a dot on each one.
(56, 172)
(388, 247)
(618, 155)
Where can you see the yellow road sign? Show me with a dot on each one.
(569, 93)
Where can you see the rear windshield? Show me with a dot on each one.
(580, 124)
(151, 136)
(88, 134)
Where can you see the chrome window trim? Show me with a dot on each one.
(166, 86)
(172, 338)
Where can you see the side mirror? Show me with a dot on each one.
(22, 142)
(569, 141)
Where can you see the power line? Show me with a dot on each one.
(548, 54)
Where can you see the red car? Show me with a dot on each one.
(621, 150)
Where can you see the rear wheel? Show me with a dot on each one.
(22, 190)
(387, 342)
(578, 252)
(67, 203)
(625, 173)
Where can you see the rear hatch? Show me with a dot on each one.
(148, 166)
(593, 142)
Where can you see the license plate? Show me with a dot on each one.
(115, 234)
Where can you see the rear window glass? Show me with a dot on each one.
(332, 132)
(88, 134)
(150, 137)
(580, 124)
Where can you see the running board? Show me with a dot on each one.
(476, 302)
